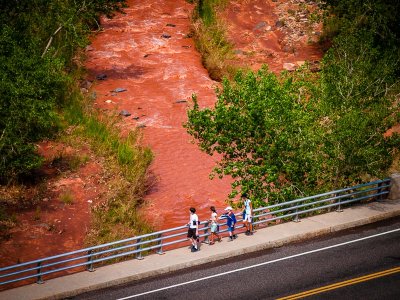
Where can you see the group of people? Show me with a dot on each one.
(193, 231)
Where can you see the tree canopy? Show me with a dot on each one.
(38, 41)
(298, 134)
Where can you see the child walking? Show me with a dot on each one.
(214, 225)
(230, 223)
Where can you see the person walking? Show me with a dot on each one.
(247, 214)
(230, 222)
(193, 231)
(214, 225)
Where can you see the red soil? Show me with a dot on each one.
(55, 226)
(147, 52)
(274, 33)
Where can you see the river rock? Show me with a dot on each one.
(101, 77)
(279, 24)
(260, 25)
(119, 90)
(239, 52)
(124, 113)
(86, 84)
(289, 66)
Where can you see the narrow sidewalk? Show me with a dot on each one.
(178, 259)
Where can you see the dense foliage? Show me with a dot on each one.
(263, 134)
(285, 137)
(38, 41)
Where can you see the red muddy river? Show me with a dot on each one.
(147, 52)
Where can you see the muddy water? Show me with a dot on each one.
(147, 52)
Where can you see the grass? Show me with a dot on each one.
(7, 222)
(126, 165)
(37, 214)
(66, 197)
(210, 38)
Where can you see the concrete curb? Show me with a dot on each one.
(179, 259)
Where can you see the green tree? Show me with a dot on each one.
(357, 81)
(300, 134)
(29, 88)
(38, 41)
(264, 131)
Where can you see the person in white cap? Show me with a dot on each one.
(230, 222)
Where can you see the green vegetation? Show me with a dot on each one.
(66, 197)
(211, 41)
(38, 43)
(40, 55)
(300, 134)
(126, 165)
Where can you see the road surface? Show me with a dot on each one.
(362, 263)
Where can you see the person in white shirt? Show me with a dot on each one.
(247, 214)
(193, 231)
(214, 225)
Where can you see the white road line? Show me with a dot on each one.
(261, 264)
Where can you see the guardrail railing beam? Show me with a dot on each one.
(155, 241)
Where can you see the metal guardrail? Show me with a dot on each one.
(139, 245)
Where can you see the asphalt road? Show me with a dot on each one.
(362, 263)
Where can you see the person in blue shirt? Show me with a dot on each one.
(230, 222)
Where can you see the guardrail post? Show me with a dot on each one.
(378, 191)
(206, 238)
(160, 250)
(39, 272)
(296, 218)
(90, 267)
(339, 209)
(138, 254)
